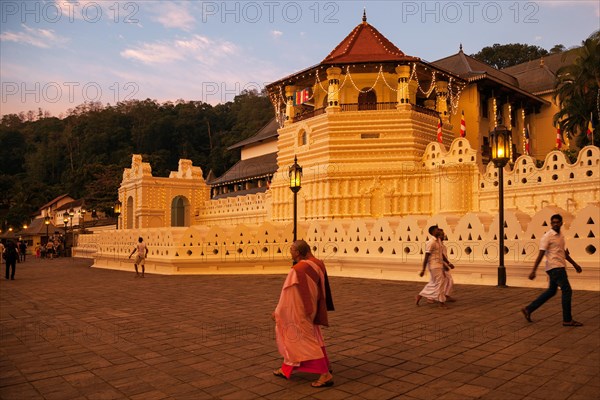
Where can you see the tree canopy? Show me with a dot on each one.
(578, 91)
(506, 55)
(84, 154)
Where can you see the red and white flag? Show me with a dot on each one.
(439, 132)
(463, 125)
(559, 141)
(527, 148)
(590, 130)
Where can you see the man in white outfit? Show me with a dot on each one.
(435, 290)
(447, 266)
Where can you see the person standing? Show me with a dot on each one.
(435, 290)
(140, 259)
(11, 254)
(301, 309)
(552, 245)
(22, 250)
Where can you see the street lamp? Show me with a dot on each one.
(47, 223)
(66, 222)
(117, 211)
(71, 215)
(295, 173)
(82, 223)
(501, 144)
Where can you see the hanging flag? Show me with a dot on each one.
(439, 132)
(590, 129)
(559, 141)
(302, 96)
(463, 125)
(527, 140)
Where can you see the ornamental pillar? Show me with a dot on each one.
(333, 91)
(290, 111)
(441, 93)
(403, 98)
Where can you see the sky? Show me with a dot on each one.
(55, 55)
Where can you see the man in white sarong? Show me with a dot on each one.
(435, 290)
(449, 265)
(301, 309)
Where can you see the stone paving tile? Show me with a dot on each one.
(72, 332)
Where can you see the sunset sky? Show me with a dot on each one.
(55, 55)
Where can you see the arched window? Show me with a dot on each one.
(180, 215)
(367, 100)
(302, 138)
(129, 213)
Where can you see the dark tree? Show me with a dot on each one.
(506, 55)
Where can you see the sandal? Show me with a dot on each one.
(572, 323)
(279, 373)
(322, 384)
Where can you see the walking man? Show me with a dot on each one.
(552, 245)
(140, 259)
(11, 254)
(435, 290)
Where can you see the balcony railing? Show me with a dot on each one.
(368, 106)
(309, 114)
(365, 107)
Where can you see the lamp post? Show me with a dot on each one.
(117, 211)
(501, 144)
(295, 173)
(82, 222)
(47, 223)
(71, 215)
(66, 222)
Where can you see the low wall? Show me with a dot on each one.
(385, 248)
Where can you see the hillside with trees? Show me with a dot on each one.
(84, 154)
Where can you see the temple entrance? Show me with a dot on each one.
(180, 215)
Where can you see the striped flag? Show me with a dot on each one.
(302, 96)
(590, 129)
(439, 132)
(527, 150)
(559, 141)
(463, 125)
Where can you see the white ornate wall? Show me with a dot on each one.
(386, 248)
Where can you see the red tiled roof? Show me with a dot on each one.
(366, 44)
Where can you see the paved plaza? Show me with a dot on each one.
(68, 331)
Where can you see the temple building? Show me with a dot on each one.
(388, 144)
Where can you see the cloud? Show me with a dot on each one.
(276, 34)
(174, 15)
(43, 38)
(196, 47)
(537, 38)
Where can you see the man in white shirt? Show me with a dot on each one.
(552, 245)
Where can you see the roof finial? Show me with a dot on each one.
(364, 19)
(460, 47)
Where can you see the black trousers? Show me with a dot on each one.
(11, 264)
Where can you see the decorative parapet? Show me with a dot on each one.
(556, 184)
(389, 248)
(251, 208)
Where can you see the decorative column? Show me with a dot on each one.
(441, 92)
(333, 91)
(290, 111)
(403, 99)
